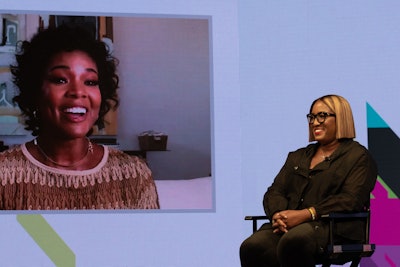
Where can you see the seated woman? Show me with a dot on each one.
(67, 82)
(334, 174)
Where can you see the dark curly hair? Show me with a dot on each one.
(33, 57)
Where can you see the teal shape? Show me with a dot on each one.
(374, 120)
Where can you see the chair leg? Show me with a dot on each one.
(355, 263)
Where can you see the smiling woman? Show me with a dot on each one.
(71, 92)
(67, 82)
(333, 174)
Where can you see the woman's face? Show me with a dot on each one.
(325, 132)
(71, 98)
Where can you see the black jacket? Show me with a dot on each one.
(343, 182)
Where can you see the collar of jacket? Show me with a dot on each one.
(304, 162)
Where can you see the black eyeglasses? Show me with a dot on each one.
(321, 117)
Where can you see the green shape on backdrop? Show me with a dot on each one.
(47, 239)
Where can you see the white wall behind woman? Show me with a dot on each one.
(165, 76)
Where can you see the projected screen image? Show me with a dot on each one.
(164, 69)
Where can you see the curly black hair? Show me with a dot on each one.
(33, 57)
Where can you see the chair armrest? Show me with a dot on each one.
(345, 215)
(255, 219)
(259, 217)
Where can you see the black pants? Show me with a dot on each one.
(298, 247)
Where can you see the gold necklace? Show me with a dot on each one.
(76, 163)
(323, 153)
(325, 157)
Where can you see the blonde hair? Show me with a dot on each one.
(344, 116)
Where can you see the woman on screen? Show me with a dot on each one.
(67, 82)
(333, 174)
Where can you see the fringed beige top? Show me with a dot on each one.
(119, 181)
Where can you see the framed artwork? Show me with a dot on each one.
(9, 35)
(10, 115)
(10, 32)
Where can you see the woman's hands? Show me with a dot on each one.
(282, 221)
